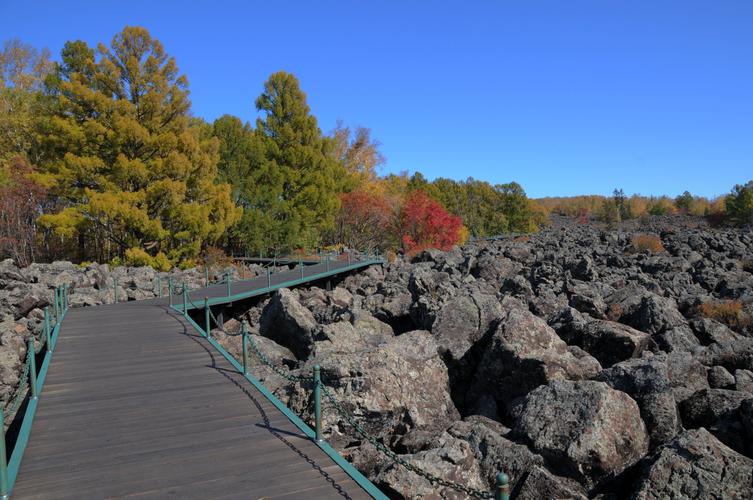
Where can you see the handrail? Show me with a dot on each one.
(329, 271)
(29, 387)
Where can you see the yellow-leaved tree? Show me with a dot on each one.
(130, 167)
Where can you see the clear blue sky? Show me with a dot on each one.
(565, 97)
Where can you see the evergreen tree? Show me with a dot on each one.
(739, 204)
(131, 167)
(291, 196)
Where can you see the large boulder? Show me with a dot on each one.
(611, 342)
(390, 389)
(494, 452)
(651, 313)
(462, 321)
(718, 410)
(346, 337)
(733, 355)
(524, 353)
(695, 465)
(540, 484)
(586, 428)
(495, 268)
(286, 321)
(430, 290)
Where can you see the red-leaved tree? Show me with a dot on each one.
(364, 220)
(424, 223)
(20, 204)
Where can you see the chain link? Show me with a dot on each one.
(18, 398)
(433, 479)
(279, 371)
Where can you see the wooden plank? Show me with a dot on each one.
(134, 406)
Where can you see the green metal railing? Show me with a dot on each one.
(353, 263)
(314, 382)
(29, 386)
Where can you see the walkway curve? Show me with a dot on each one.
(136, 403)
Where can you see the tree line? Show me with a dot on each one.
(101, 159)
(735, 207)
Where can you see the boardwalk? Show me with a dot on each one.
(137, 403)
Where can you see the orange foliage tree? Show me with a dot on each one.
(424, 223)
(364, 220)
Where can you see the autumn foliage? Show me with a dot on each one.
(424, 223)
(729, 312)
(21, 202)
(364, 219)
(647, 243)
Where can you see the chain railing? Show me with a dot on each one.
(27, 382)
(501, 489)
(502, 482)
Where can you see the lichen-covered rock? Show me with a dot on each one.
(452, 460)
(720, 378)
(390, 389)
(695, 465)
(494, 452)
(540, 484)
(587, 428)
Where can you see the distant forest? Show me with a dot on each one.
(102, 160)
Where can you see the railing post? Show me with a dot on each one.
(502, 489)
(206, 275)
(170, 288)
(269, 278)
(116, 290)
(65, 297)
(3, 460)
(55, 304)
(185, 300)
(32, 367)
(349, 256)
(318, 403)
(206, 317)
(47, 335)
(300, 264)
(244, 343)
(229, 284)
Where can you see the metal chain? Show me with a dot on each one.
(279, 371)
(13, 406)
(434, 480)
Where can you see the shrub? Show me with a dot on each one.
(729, 312)
(216, 258)
(424, 223)
(647, 243)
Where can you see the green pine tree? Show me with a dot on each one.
(291, 195)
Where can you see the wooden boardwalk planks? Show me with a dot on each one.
(137, 404)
